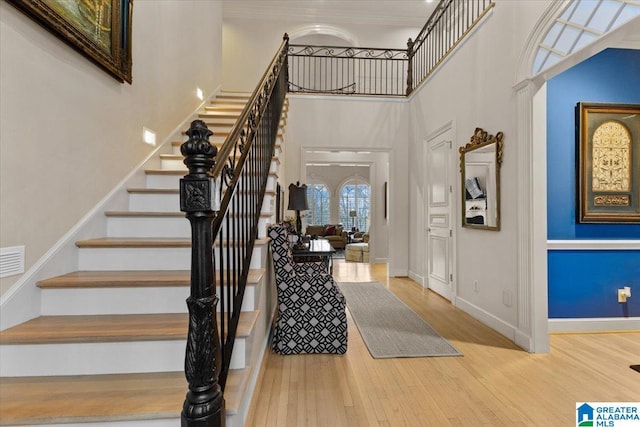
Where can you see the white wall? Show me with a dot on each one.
(69, 132)
(249, 44)
(474, 89)
(378, 126)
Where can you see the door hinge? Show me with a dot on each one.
(450, 233)
(451, 189)
(451, 277)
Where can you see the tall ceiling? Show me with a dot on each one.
(406, 13)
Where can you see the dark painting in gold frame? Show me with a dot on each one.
(99, 29)
(608, 163)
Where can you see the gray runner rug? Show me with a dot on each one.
(390, 328)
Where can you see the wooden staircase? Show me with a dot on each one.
(109, 345)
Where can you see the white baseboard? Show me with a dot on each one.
(524, 341)
(398, 272)
(604, 324)
(487, 318)
(417, 278)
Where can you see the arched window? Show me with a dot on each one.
(355, 196)
(319, 200)
(581, 23)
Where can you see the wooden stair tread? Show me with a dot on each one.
(153, 190)
(219, 115)
(135, 278)
(110, 328)
(112, 242)
(143, 214)
(176, 172)
(147, 242)
(233, 102)
(113, 397)
(98, 328)
(117, 279)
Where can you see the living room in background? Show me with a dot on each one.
(355, 195)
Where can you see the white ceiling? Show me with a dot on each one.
(404, 13)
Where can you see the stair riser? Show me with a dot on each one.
(96, 259)
(172, 164)
(82, 301)
(99, 358)
(173, 227)
(165, 182)
(151, 202)
(262, 227)
(113, 259)
(272, 182)
(92, 358)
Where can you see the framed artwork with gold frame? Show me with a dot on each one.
(99, 29)
(608, 163)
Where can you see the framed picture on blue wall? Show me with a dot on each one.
(608, 162)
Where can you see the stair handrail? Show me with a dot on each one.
(431, 47)
(222, 197)
(234, 135)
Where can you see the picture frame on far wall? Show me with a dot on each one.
(608, 152)
(99, 29)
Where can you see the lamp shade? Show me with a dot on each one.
(353, 214)
(298, 197)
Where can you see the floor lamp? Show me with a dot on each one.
(298, 202)
(353, 215)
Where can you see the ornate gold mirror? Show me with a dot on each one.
(480, 162)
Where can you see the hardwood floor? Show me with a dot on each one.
(495, 383)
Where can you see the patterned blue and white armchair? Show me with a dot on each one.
(311, 309)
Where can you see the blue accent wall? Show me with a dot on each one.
(585, 283)
(582, 284)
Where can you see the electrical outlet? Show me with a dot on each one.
(475, 286)
(622, 297)
(623, 294)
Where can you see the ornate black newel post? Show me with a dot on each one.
(204, 403)
(409, 66)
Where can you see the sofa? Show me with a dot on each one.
(334, 233)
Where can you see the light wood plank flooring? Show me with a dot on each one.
(495, 383)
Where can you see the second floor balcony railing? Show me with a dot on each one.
(347, 70)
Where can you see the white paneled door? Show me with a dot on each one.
(439, 213)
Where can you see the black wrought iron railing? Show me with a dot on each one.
(348, 70)
(222, 196)
(449, 23)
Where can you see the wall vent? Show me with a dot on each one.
(11, 261)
